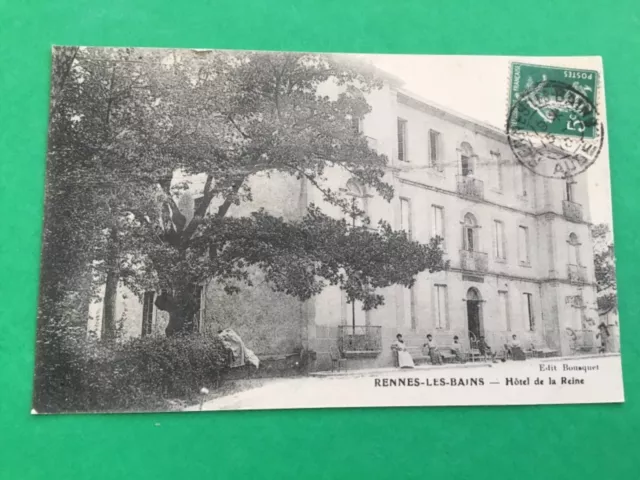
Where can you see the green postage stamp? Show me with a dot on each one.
(552, 123)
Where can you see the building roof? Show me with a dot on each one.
(413, 100)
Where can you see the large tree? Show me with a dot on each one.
(225, 117)
(104, 116)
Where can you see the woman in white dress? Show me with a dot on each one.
(404, 357)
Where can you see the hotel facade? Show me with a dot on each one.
(519, 247)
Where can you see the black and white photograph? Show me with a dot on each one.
(247, 230)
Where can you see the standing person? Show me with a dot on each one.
(456, 348)
(434, 353)
(605, 338)
(404, 357)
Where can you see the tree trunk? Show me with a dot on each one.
(183, 308)
(109, 328)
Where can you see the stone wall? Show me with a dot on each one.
(269, 323)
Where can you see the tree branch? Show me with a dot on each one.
(244, 135)
(224, 208)
(199, 212)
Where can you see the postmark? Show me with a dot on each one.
(552, 125)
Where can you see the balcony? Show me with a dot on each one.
(470, 187)
(472, 261)
(572, 211)
(360, 341)
(577, 273)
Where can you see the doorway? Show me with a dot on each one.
(474, 315)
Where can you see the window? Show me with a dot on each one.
(576, 318)
(408, 307)
(434, 150)
(466, 159)
(467, 169)
(405, 216)
(147, 313)
(523, 244)
(440, 306)
(527, 304)
(499, 239)
(569, 190)
(402, 140)
(503, 298)
(356, 125)
(525, 181)
(521, 181)
(198, 320)
(469, 233)
(356, 192)
(498, 178)
(574, 249)
(437, 222)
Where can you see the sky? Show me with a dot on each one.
(478, 86)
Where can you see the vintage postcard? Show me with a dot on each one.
(229, 230)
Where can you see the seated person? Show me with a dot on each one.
(434, 353)
(404, 357)
(456, 348)
(514, 349)
(485, 349)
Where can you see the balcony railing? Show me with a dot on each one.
(470, 187)
(572, 211)
(577, 273)
(360, 340)
(584, 342)
(473, 261)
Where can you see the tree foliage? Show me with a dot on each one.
(605, 268)
(128, 125)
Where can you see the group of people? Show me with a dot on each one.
(513, 350)
(406, 361)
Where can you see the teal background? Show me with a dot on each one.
(577, 442)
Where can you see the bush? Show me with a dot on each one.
(76, 374)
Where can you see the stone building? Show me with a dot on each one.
(519, 245)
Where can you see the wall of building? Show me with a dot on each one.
(269, 322)
(505, 182)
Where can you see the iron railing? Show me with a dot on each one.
(473, 261)
(360, 340)
(572, 211)
(469, 186)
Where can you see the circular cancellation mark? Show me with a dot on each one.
(553, 130)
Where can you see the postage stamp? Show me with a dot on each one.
(552, 123)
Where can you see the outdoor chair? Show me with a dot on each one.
(337, 360)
